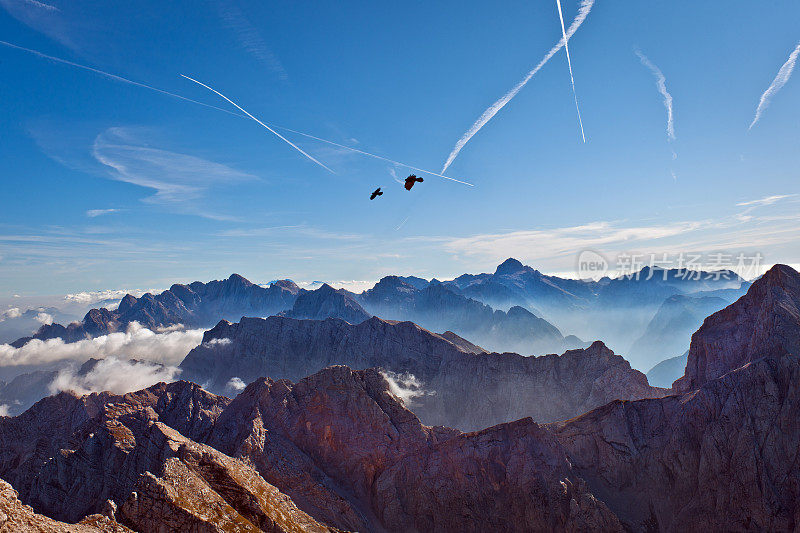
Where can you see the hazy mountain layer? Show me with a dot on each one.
(452, 385)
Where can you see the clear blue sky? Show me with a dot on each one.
(197, 193)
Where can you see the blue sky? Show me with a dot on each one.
(109, 185)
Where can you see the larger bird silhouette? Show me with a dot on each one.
(411, 180)
(377, 192)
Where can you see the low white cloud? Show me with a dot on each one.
(136, 343)
(44, 318)
(115, 375)
(406, 387)
(90, 297)
(236, 384)
(11, 313)
(353, 285)
(4, 409)
(217, 342)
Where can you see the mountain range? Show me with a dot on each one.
(516, 308)
(453, 382)
(340, 449)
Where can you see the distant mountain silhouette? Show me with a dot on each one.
(194, 305)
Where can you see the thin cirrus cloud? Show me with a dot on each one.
(249, 37)
(93, 213)
(583, 12)
(777, 84)
(175, 177)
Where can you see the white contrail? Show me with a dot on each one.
(112, 76)
(281, 137)
(583, 12)
(324, 140)
(373, 155)
(161, 91)
(661, 83)
(777, 84)
(569, 64)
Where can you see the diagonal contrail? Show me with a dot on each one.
(777, 84)
(569, 64)
(583, 12)
(373, 155)
(324, 140)
(112, 76)
(185, 99)
(281, 137)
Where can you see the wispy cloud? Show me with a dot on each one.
(661, 84)
(752, 205)
(777, 84)
(767, 200)
(41, 5)
(93, 213)
(583, 12)
(249, 37)
(176, 178)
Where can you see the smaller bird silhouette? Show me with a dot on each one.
(377, 192)
(411, 180)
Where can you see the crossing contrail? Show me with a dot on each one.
(281, 137)
(121, 79)
(583, 12)
(323, 140)
(777, 84)
(569, 64)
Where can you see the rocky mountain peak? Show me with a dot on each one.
(765, 322)
(509, 266)
(327, 302)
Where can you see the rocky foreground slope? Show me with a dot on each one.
(454, 386)
(336, 449)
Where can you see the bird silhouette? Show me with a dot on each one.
(377, 192)
(411, 180)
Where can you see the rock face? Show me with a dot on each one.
(721, 456)
(462, 387)
(196, 305)
(336, 449)
(763, 323)
(327, 302)
(70, 456)
(14, 517)
(440, 307)
(377, 467)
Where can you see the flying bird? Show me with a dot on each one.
(411, 180)
(377, 192)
